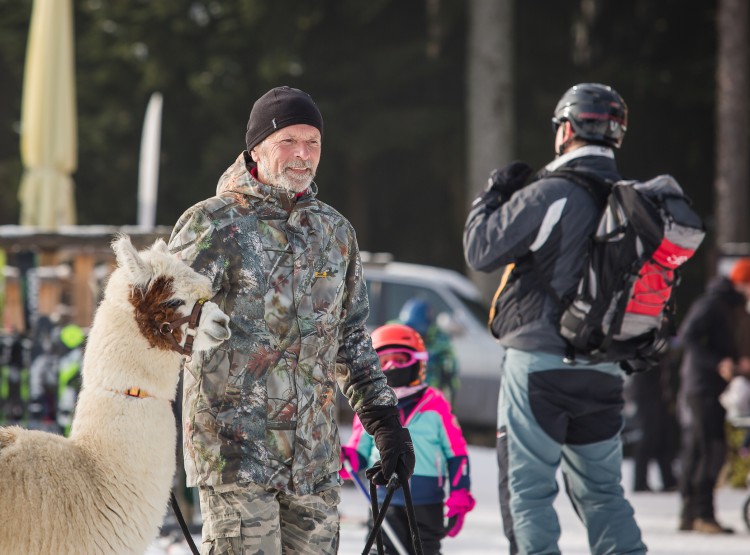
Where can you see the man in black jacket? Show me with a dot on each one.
(710, 360)
(550, 412)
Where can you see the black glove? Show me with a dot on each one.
(648, 356)
(393, 442)
(503, 182)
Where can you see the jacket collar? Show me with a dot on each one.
(238, 178)
(588, 150)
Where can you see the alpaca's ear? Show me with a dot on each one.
(160, 246)
(129, 259)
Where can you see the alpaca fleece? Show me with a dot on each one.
(104, 490)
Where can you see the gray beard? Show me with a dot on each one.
(282, 180)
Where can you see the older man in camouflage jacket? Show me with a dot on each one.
(260, 438)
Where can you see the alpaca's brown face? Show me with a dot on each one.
(163, 291)
(154, 306)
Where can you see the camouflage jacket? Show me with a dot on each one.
(260, 407)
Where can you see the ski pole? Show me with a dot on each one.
(411, 516)
(379, 514)
(386, 526)
(398, 480)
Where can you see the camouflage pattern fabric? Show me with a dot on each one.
(260, 408)
(247, 518)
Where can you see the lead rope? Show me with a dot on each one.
(168, 328)
(183, 524)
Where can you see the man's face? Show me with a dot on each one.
(289, 157)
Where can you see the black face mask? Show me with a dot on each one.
(400, 377)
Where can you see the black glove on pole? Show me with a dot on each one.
(393, 442)
(503, 182)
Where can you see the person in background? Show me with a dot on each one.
(260, 438)
(711, 358)
(654, 395)
(442, 366)
(551, 413)
(438, 443)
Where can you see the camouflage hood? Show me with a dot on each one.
(238, 179)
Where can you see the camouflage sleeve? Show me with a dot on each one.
(195, 239)
(358, 370)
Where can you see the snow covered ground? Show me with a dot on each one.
(482, 534)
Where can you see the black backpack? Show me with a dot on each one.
(621, 309)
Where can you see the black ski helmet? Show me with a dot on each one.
(597, 113)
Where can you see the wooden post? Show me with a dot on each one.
(49, 295)
(83, 298)
(13, 309)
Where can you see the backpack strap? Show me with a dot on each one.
(595, 185)
(599, 189)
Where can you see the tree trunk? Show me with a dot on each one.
(731, 189)
(490, 131)
(731, 201)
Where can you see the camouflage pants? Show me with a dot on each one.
(240, 519)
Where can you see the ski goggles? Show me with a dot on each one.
(400, 358)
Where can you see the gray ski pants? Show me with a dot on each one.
(553, 415)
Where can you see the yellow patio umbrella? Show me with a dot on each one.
(49, 149)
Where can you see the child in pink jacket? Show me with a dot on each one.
(441, 458)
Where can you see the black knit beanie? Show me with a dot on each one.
(281, 107)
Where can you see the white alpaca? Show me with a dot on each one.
(104, 490)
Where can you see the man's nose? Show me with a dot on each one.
(302, 151)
